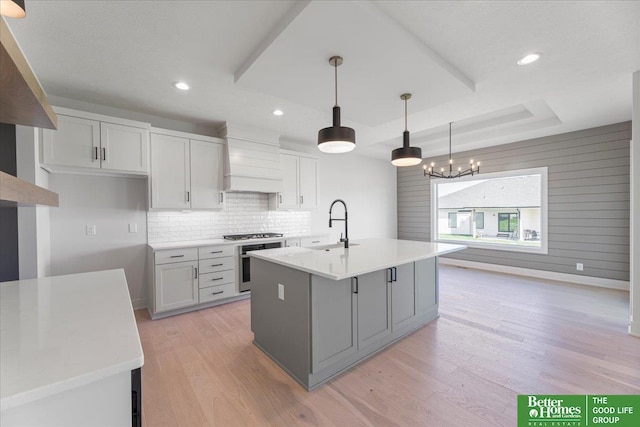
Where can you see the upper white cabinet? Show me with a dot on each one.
(186, 171)
(92, 143)
(299, 182)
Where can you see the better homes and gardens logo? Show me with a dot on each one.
(578, 410)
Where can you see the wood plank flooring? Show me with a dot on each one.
(498, 336)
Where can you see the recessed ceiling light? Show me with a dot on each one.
(277, 112)
(528, 59)
(181, 85)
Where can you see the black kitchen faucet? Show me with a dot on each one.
(345, 219)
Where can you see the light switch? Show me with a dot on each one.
(133, 228)
(281, 291)
(91, 230)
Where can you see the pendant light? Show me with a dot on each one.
(336, 139)
(12, 8)
(406, 155)
(470, 171)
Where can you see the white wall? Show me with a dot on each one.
(34, 247)
(634, 324)
(110, 204)
(367, 185)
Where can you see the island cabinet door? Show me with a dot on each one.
(176, 285)
(332, 321)
(426, 284)
(374, 311)
(403, 295)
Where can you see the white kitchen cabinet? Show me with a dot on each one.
(306, 242)
(95, 144)
(186, 173)
(299, 183)
(176, 285)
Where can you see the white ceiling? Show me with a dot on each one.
(243, 59)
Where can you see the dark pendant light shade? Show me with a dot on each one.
(406, 155)
(13, 8)
(337, 138)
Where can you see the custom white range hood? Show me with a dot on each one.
(252, 160)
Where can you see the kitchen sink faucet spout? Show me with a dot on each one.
(345, 219)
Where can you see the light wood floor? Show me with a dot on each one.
(498, 336)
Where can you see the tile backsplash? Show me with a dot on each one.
(242, 213)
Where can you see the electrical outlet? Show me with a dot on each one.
(280, 291)
(579, 266)
(133, 228)
(91, 230)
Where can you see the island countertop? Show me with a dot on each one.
(59, 333)
(363, 256)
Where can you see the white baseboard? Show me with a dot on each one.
(139, 303)
(540, 274)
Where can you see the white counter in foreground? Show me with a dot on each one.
(364, 256)
(65, 333)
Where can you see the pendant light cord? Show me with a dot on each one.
(450, 142)
(335, 66)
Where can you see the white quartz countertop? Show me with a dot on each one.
(212, 242)
(363, 256)
(59, 333)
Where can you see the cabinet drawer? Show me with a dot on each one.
(216, 251)
(176, 255)
(305, 242)
(213, 293)
(216, 264)
(218, 278)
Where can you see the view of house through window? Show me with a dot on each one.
(502, 210)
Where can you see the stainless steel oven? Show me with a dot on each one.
(245, 262)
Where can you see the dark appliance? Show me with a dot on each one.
(245, 262)
(136, 398)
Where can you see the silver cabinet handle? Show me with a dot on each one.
(217, 293)
(177, 256)
(216, 265)
(104, 154)
(196, 272)
(95, 153)
(188, 196)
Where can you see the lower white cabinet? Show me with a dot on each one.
(188, 277)
(176, 285)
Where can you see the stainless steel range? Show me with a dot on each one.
(245, 260)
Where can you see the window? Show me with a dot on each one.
(507, 222)
(479, 220)
(504, 210)
(453, 220)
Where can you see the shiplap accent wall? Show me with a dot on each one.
(588, 200)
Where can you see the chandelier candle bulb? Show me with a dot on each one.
(472, 170)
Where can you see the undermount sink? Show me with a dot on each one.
(333, 246)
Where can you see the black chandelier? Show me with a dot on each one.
(430, 171)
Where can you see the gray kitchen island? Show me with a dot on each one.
(318, 311)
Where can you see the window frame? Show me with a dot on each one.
(509, 215)
(544, 212)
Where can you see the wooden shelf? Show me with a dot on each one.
(23, 101)
(18, 192)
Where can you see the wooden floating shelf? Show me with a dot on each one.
(23, 101)
(18, 192)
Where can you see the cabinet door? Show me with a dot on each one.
(403, 296)
(124, 148)
(426, 284)
(308, 183)
(206, 175)
(75, 143)
(170, 172)
(374, 313)
(288, 199)
(176, 285)
(332, 321)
